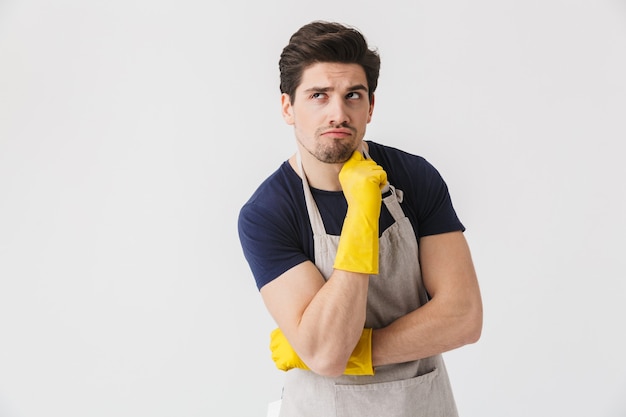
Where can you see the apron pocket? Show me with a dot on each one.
(418, 396)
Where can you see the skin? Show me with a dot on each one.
(323, 320)
(329, 113)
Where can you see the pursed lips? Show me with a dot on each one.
(340, 133)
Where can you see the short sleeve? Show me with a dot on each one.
(269, 243)
(436, 212)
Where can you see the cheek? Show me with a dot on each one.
(304, 120)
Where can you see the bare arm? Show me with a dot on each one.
(322, 320)
(452, 318)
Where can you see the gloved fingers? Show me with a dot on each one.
(355, 170)
(381, 177)
(283, 354)
(276, 337)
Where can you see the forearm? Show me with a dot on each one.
(436, 327)
(332, 323)
(323, 320)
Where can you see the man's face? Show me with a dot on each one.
(330, 110)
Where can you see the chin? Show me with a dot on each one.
(337, 153)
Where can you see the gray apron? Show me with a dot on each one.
(410, 389)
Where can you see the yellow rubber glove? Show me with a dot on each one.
(359, 363)
(362, 181)
(283, 354)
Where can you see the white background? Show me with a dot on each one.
(131, 132)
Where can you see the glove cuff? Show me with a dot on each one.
(358, 246)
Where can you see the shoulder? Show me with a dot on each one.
(272, 225)
(277, 196)
(426, 196)
(277, 205)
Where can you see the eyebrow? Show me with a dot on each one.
(355, 87)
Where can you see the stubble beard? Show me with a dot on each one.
(337, 151)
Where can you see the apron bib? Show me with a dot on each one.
(410, 389)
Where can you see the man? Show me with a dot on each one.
(356, 248)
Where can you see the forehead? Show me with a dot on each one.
(332, 75)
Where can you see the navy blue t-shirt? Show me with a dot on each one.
(274, 227)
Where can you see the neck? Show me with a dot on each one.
(320, 175)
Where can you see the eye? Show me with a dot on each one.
(318, 95)
(353, 95)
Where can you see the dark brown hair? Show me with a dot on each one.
(321, 41)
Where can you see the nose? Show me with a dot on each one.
(338, 112)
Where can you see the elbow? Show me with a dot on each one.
(473, 325)
(330, 361)
(473, 335)
(327, 366)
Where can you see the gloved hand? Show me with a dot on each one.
(283, 354)
(362, 181)
(285, 358)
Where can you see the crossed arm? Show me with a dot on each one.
(323, 320)
(453, 316)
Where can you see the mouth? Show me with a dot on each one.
(337, 133)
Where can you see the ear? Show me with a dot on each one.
(285, 103)
(371, 111)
